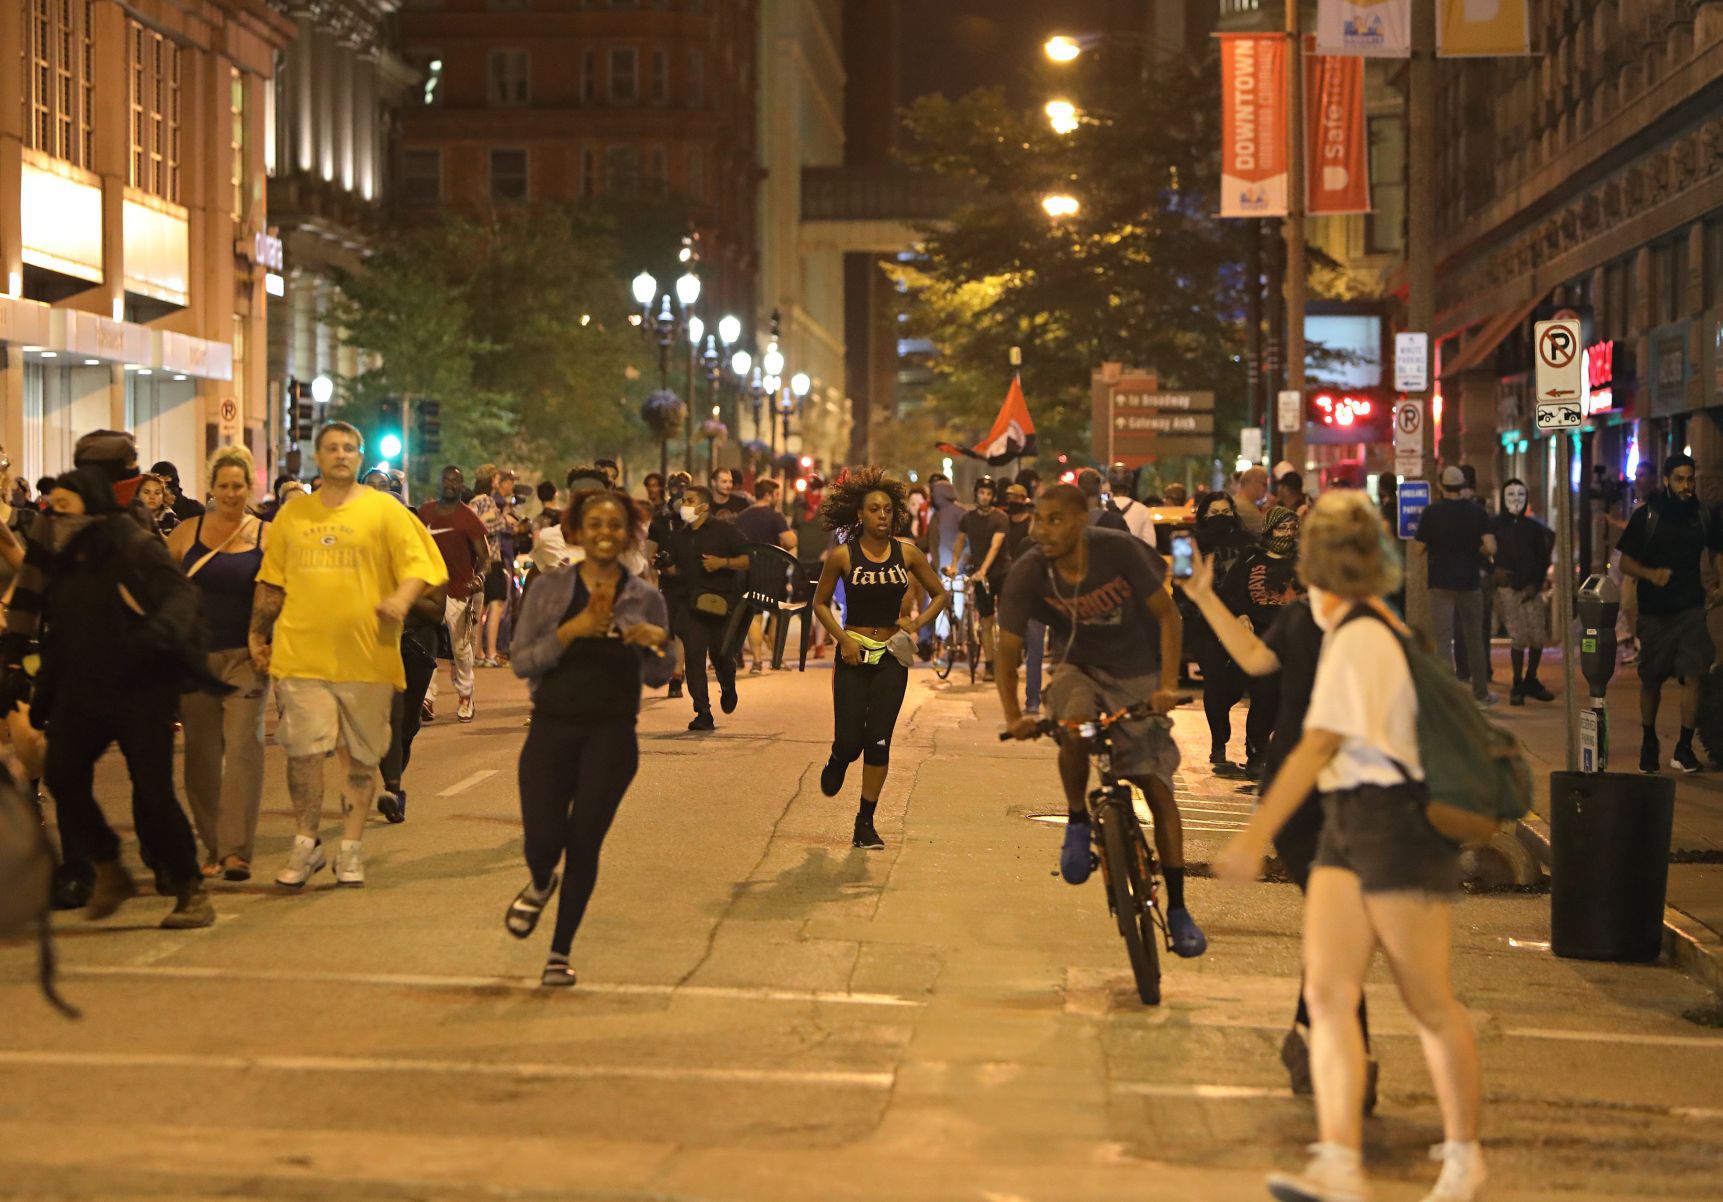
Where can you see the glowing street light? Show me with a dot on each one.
(730, 330)
(1062, 49)
(696, 330)
(773, 360)
(645, 289)
(740, 362)
(1063, 116)
(688, 289)
(800, 384)
(322, 390)
(1061, 204)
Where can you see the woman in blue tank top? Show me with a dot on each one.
(221, 551)
(875, 641)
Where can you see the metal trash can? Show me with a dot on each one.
(1609, 864)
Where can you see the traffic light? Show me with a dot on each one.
(428, 420)
(302, 417)
(390, 431)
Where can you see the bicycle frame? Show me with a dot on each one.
(1110, 801)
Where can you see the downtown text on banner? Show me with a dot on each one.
(1367, 28)
(1253, 125)
(1477, 28)
(1337, 168)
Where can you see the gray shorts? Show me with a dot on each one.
(1674, 645)
(1142, 748)
(319, 715)
(1379, 834)
(1526, 617)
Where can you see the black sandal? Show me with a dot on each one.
(522, 916)
(557, 973)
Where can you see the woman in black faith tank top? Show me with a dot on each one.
(875, 641)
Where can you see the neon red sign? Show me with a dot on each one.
(1600, 364)
(1341, 411)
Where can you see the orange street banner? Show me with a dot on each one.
(1480, 28)
(1253, 170)
(1338, 164)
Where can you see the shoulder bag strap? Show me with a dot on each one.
(244, 524)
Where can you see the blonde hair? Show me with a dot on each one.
(233, 456)
(1344, 547)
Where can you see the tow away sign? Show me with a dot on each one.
(1561, 383)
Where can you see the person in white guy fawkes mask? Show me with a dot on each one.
(1523, 546)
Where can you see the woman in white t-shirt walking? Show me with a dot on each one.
(1383, 876)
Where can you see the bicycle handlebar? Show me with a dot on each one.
(1139, 710)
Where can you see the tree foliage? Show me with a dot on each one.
(517, 324)
(1144, 274)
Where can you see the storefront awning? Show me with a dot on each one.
(1484, 343)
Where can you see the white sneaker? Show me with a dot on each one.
(1462, 1172)
(1334, 1174)
(466, 709)
(350, 864)
(305, 859)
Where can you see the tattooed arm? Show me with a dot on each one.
(266, 603)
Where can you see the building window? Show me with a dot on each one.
(422, 176)
(509, 85)
(622, 171)
(1385, 224)
(58, 85)
(589, 77)
(696, 175)
(624, 76)
(155, 94)
(660, 77)
(508, 175)
(696, 79)
(236, 143)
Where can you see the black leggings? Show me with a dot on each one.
(1223, 685)
(572, 778)
(1264, 709)
(865, 702)
(408, 713)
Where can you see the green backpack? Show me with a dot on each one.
(1476, 771)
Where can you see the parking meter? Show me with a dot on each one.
(1599, 605)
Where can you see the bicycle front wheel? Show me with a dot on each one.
(944, 654)
(1131, 906)
(972, 644)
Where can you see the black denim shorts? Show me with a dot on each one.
(1380, 834)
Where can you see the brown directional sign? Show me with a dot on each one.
(1136, 421)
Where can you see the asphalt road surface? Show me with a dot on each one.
(766, 1013)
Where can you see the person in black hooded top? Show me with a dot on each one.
(120, 623)
(1220, 538)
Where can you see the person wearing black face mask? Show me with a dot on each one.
(1262, 582)
(1021, 512)
(1218, 536)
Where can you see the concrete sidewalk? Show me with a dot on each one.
(1694, 919)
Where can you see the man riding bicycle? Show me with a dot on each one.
(1113, 634)
(983, 531)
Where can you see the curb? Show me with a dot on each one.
(1688, 943)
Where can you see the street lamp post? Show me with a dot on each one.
(791, 401)
(712, 360)
(687, 294)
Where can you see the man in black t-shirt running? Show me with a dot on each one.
(1662, 548)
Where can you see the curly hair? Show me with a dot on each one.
(841, 509)
(583, 499)
(1345, 547)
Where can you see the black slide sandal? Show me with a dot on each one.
(522, 916)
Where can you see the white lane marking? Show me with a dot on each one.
(1253, 1093)
(1710, 1042)
(461, 786)
(479, 1068)
(172, 947)
(428, 981)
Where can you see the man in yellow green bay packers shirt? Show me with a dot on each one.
(341, 568)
